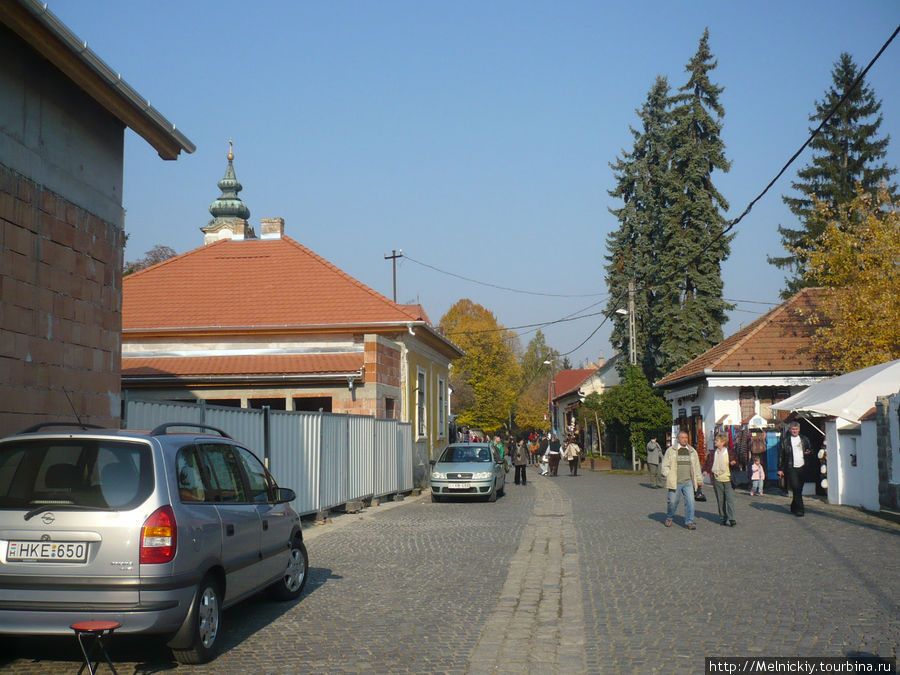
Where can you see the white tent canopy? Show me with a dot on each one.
(849, 396)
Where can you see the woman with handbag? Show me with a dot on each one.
(553, 454)
(572, 453)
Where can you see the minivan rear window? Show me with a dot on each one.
(93, 473)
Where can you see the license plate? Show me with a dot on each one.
(459, 486)
(47, 551)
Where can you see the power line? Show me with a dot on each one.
(752, 302)
(527, 325)
(815, 133)
(723, 232)
(812, 136)
(502, 288)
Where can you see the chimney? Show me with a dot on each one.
(271, 228)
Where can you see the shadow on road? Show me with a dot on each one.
(149, 653)
(851, 517)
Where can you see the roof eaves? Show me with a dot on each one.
(739, 340)
(50, 37)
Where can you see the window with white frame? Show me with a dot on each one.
(420, 403)
(441, 405)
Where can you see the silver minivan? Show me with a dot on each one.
(158, 531)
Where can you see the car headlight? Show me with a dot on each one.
(482, 475)
(437, 475)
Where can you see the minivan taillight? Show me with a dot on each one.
(159, 536)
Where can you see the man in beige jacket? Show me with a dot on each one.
(681, 468)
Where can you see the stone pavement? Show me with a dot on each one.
(564, 575)
(538, 623)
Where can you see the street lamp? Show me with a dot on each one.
(632, 351)
(632, 333)
(549, 362)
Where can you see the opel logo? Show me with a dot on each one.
(48, 518)
(45, 537)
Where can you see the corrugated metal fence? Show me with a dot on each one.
(327, 459)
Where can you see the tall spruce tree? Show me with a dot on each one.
(688, 309)
(642, 177)
(847, 151)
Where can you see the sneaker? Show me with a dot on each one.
(750, 493)
(668, 522)
(691, 526)
(760, 494)
(732, 523)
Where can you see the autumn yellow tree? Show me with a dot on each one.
(538, 363)
(532, 408)
(487, 377)
(857, 258)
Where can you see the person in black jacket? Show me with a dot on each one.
(794, 453)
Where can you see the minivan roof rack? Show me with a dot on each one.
(44, 425)
(163, 429)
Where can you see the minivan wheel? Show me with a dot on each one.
(291, 583)
(205, 624)
(435, 498)
(493, 496)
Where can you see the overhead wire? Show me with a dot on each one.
(732, 223)
(503, 288)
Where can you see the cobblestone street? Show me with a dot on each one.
(571, 574)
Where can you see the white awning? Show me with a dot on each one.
(681, 393)
(849, 396)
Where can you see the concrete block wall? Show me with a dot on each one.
(888, 491)
(60, 308)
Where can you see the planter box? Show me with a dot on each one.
(600, 464)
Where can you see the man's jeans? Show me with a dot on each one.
(674, 497)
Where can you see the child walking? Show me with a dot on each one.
(757, 477)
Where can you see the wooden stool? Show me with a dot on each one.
(100, 631)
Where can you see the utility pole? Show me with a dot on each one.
(393, 258)
(632, 335)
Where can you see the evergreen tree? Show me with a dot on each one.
(642, 177)
(847, 151)
(670, 239)
(688, 310)
(632, 409)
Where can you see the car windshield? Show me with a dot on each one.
(80, 472)
(466, 453)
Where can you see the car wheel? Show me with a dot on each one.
(502, 491)
(493, 496)
(205, 625)
(291, 583)
(435, 498)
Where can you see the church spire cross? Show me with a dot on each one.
(229, 206)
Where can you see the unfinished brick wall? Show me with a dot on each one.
(382, 363)
(888, 492)
(60, 308)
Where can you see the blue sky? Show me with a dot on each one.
(475, 136)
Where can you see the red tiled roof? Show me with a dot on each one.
(251, 283)
(569, 380)
(418, 311)
(277, 364)
(870, 414)
(776, 342)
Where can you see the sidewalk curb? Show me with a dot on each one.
(335, 521)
